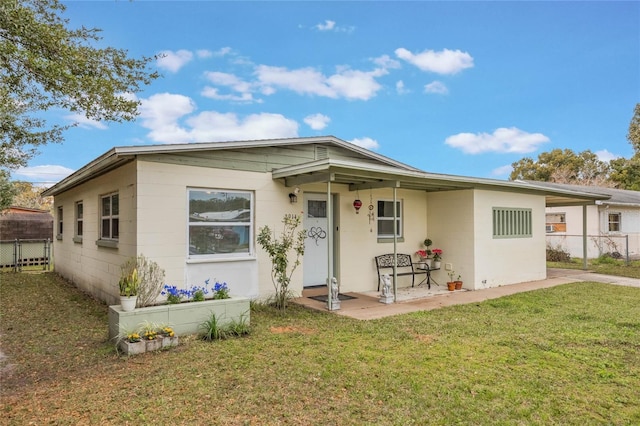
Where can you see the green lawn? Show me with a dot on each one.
(565, 355)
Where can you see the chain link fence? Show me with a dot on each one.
(625, 247)
(18, 254)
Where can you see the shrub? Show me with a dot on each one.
(279, 250)
(557, 254)
(150, 278)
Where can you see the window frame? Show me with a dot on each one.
(249, 224)
(511, 222)
(79, 220)
(60, 222)
(111, 217)
(618, 222)
(399, 223)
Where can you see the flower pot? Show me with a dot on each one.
(428, 262)
(458, 285)
(436, 264)
(451, 285)
(128, 303)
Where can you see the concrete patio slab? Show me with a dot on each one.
(366, 306)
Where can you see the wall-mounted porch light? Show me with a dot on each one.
(293, 196)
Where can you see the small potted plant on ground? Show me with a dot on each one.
(129, 283)
(458, 282)
(451, 284)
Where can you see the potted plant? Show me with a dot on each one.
(129, 284)
(427, 243)
(451, 284)
(437, 257)
(458, 282)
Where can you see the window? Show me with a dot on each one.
(386, 220)
(60, 223)
(220, 223)
(615, 222)
(555, 222)
(79, 218)
(109, 217)
(511, 222)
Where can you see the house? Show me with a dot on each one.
(611, 226)
(196, 209)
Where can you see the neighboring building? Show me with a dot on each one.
(25, 237)
(612, 225)
(196, 209)
(25, 224)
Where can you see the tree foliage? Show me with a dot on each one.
(634, 130)
(563, 166)
(45, 64)
(7, 190)
(30, 195)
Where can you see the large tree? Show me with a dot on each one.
(563, 166)
(7, 190)
(46, 64)
(625, 173)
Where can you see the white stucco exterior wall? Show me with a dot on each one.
(599, 239)
(95, 269)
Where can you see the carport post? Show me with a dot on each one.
(584, 237)
(395, 246)
(329, 243)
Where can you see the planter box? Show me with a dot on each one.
(153, 345)
(184, 318)
(132, 348)
(168, 342)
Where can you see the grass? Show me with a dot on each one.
(603, 265)
(565, 355)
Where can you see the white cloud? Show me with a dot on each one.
(317, 121)
(204, 53)
(444, 62)
(243, 88)
(213, 93)
(167, 117)
(329, 25)
(400, 88)
(436, 87)
(367, 143)
(386, 62)
(326, 26)
(503, 139)
(173, 61)
(346, 83)
(160, 113)
(215, 126)
(222, 52)
(604, 155)
(46, 173)
(502, 171)
(86, 123)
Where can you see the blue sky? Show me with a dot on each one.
(463, 88)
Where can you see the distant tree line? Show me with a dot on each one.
(584, 168)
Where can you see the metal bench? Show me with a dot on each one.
(405, 266)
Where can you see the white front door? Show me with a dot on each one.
(316, 256)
